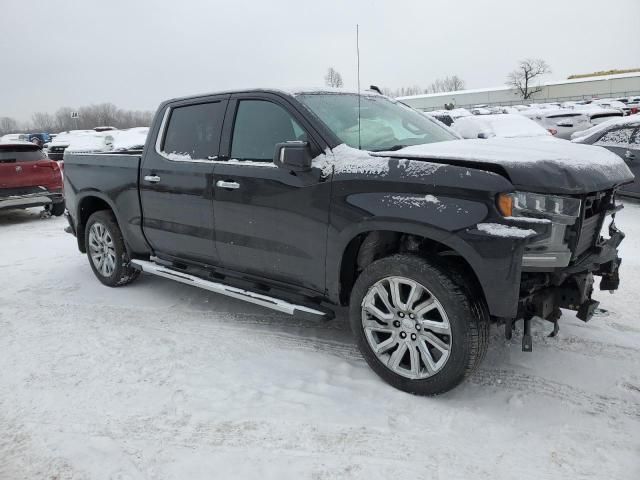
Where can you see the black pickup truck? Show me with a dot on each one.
(307, 201)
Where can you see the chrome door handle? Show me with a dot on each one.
(152, 178)
(223, 184)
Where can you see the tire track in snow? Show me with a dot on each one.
(594, 403)
(268, 338)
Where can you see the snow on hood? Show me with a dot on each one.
(542, 164)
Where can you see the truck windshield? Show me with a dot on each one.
(384, 124)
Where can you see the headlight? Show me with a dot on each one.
(519, 204)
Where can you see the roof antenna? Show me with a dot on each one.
(358, 55)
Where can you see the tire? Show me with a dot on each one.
(444, 320)
(106, 250)
(57, 209)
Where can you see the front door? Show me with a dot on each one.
(270, 222)
(176, 181)
(625, 142)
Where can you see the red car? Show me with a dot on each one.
(28, 178)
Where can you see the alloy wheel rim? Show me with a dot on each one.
(406, 327)
(102, 249)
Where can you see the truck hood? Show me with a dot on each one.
(545, 165)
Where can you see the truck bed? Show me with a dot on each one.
(114, 178)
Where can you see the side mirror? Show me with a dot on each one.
(295, 155)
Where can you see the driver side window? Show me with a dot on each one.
(258, 127)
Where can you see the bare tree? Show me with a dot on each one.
(333, 78)
(42, 122)
(8, 125)
(523, 77)
(447, 84)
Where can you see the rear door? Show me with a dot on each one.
(270, 222)
(176, 180)
(25, 168)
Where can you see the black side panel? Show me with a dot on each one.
(112, 179)
(176, 180)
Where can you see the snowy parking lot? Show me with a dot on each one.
(160, 380)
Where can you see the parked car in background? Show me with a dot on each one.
(29, 179)
(609, 103)
(132, 139)
(57, 146)
(561, 123)
(503, 125)
(40, 139)
(14, 137)
(597, 113)
(442, 116)
(622, 137)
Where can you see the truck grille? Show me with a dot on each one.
(586, 231)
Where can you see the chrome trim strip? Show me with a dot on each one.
(251, 297)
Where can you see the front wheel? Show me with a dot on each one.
(417, 327)
(106, 250)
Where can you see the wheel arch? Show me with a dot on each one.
(372, 241)
(87, 206)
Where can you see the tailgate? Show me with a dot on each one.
(26, 166)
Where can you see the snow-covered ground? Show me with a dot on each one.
(160, 380)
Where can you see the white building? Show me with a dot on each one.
(620, 85)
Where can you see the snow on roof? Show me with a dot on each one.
(632, 120)
(498, 125)
(505, 87)
(17, 143)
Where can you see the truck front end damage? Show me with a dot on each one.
(576, 239)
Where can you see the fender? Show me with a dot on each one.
(495, 261)
(131, 229)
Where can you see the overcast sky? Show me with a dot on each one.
(136, 53)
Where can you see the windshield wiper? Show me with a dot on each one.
(390, 149)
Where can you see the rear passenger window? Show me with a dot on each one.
(194, 130)
(258, 127)
(617, 137)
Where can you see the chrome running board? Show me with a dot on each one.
(234, 292)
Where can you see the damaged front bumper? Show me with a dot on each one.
(543, 295)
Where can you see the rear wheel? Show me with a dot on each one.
(417, 327)
(106, 250)
(57, 209)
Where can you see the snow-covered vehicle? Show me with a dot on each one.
(112, 140)
(309, 201)
(500, 125)
(622, 137)
(561, 123)
(57, 146)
